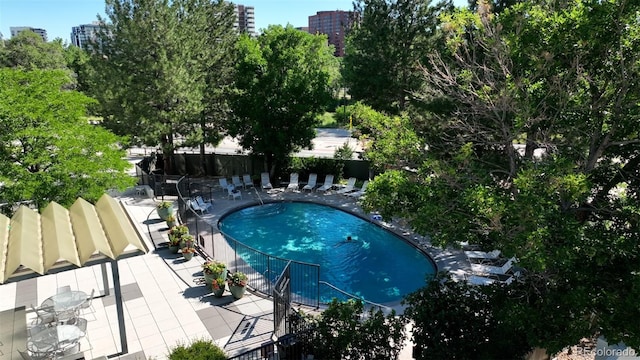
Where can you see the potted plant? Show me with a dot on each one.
(214, 270)
(176, 234)
(171, 221)
(188, 252)
(237, 284)
(217, 285)
(164, 209)
(186, 241)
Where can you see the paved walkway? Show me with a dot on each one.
(163, 303)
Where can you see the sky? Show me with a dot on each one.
(59, 16)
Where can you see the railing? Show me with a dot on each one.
(262, 269)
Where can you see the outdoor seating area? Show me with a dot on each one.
(58, 327)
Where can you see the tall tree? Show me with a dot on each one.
(533, 149)
(282, 82)
(157, 63)
(29, 51)
(48, 150)
(386, 43)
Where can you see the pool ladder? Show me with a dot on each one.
(258, 195)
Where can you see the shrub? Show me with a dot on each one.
(198, 350)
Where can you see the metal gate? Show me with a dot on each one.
(282, 303)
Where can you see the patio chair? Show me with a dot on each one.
(265, 182)
(475, 254)
(246, 179)
(293, 182)
(223, 184)
(88, 304)
(45, 316)
(351, 184)
(235, 179)
(233, 193)
(63, 289)
(491, 269)
(328, 183)
(311, 184)
(203, 204)
(357, 194)
(194, 205)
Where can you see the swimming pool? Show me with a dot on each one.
(376, 264)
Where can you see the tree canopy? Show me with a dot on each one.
(531, 123)
(384, 47)
(29, 51)
(282, 81)
(160, 68)
(48, 150)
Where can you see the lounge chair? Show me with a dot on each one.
(293, 182)
(351, 186)
(474, 254)
(235, 179)
(311, 184)
(328, 183)
(265, 182)
(357, 194)
(194, 205)
(246, 179)
(203, 204)
(491, 269)
(223, 184)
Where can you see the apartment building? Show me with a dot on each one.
(15, 30)
(334, 24)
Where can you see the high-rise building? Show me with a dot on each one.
(82, 34)
(15, 30)
(332, 23)
(245, 19)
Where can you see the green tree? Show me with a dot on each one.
(533, 149)
(161, 68)
(282, 83)
(48, 150)
(346, 331)
(29, 51)
(384, 49)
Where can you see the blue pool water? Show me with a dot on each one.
(376, 264)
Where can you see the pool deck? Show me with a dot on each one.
(163, 304)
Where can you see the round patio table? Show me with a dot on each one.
(50, 340)
(65, 301)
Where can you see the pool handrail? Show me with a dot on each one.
(384, 308)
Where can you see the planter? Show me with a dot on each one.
(174, 249)
(171, 224)
(188, 256)
(164, 212)
(219, 292)
(208, 278)
(237, 291)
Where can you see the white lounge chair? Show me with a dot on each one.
(265, 182)
(293, 182)
(246, 179)
(357, 194)
(328, 183)
(482, 254)
(235, 179)
(233, 193)
(194, 205)
(351, 185)
(203, 204)
(490, 269)
(223, 184)
(311, 184)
